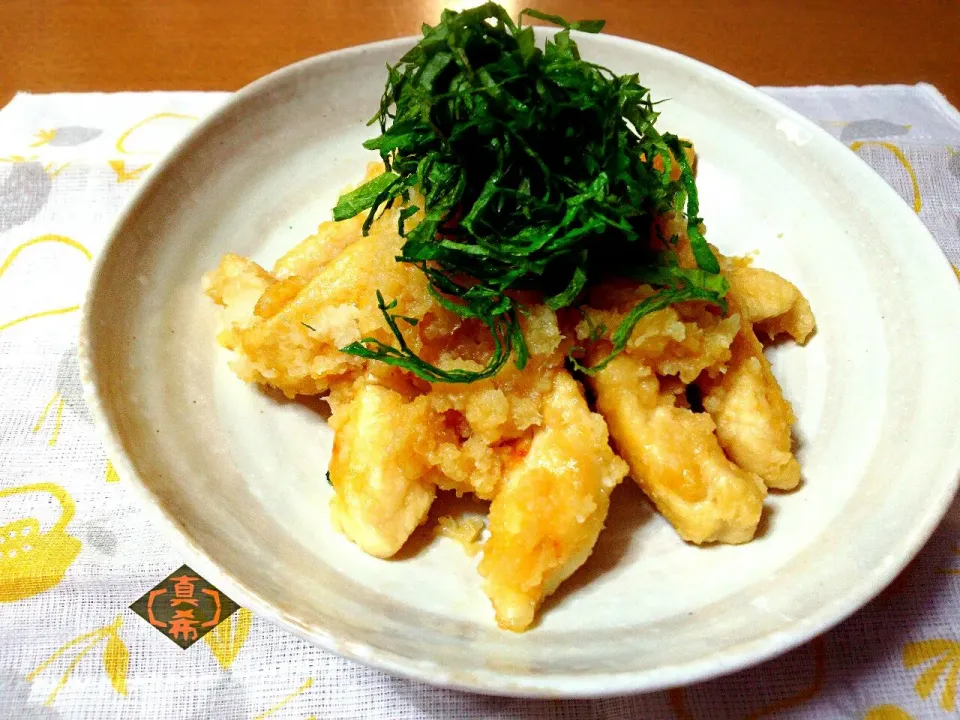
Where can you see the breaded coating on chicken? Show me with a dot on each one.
(753, 418)
(674, 456)
(382, 489)
(547, 516)
(773, 304)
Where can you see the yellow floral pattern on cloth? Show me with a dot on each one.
(33, 561)
(58, 417)
(125, 174)
(115, 658)
(15, 253)
(69, 136)
(52, 169)
(942, 660)
(272, 712)
(887, 712)
(226, 639)
(76, 552)
(902, 159)
(111, 473)
(134, 137)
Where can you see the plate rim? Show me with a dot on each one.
(554, 686)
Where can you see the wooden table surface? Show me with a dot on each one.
(86, 45)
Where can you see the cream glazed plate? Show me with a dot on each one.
(238, 476)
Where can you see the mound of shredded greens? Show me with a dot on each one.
(537, 171)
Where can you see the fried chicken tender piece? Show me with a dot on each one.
(675, 457)
(237, 286)
(380, 479)
(293, 342)
(772, 303)
(546, 518)
(753, 418)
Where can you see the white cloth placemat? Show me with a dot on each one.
(70, 648)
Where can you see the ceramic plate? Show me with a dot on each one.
(238, 476)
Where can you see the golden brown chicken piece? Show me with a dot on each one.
(753, 418)
(236, 286)
(773, 304)
(546, 518)
(382, 491)
(675, 457)
(294, 342)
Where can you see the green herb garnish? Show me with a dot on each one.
(538, 171)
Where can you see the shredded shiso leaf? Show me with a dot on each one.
(538, 171)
